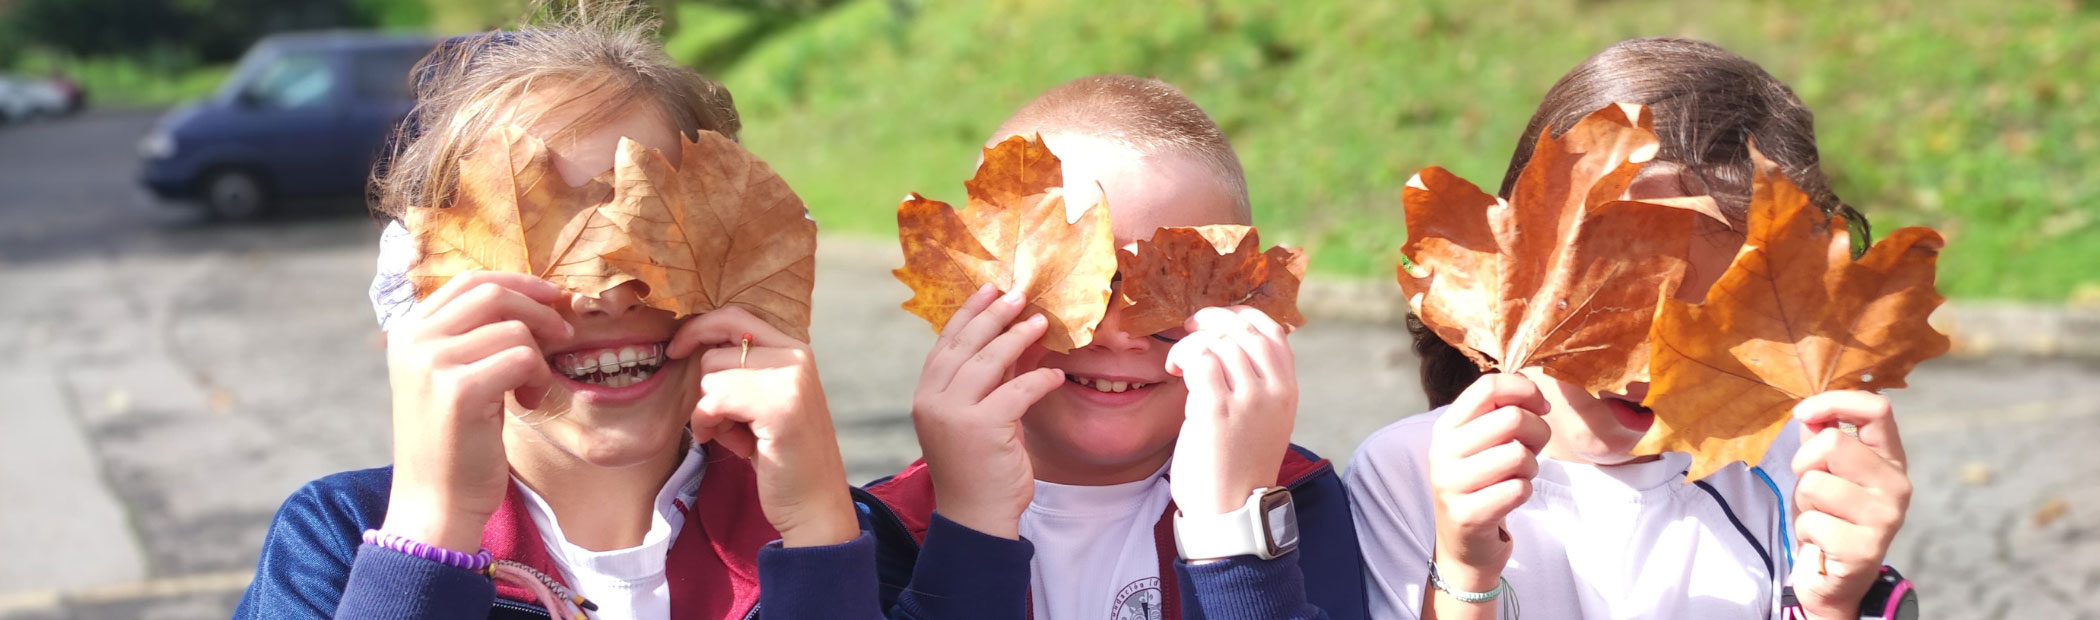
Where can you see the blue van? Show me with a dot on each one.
(302, 115)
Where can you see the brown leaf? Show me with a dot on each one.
(1181, 270)
(511, 212)
(718, 229)
(1015, 235)
(1563, 276)
(1793, 316)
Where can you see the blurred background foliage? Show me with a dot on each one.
(1976, 117)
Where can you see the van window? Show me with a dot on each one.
(382, 73)
(293, 80)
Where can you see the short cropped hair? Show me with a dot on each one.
(1147, 115)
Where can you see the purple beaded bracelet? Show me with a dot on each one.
(475, 562)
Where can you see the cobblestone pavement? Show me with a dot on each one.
(171, 381)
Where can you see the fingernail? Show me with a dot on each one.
(986, 288)
(1038, 319)
(1011, 298)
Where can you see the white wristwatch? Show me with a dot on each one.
(1267, 527)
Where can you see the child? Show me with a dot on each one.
(1590, 531)
(624, 486)
(1083, 459)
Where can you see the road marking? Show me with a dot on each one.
(151, 589)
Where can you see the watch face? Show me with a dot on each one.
(1140, 600)
(1280, 518)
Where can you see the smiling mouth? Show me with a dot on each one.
(613, 367)
(1107, 385)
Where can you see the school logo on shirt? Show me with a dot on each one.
(1138, 601)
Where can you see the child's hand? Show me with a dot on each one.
(1483, 454)
(968, 413)
(1243, 400)
(1852, 497)
(768, 405)
(450, 363)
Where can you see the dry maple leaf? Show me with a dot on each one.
(511, 212)
(1792, 316)
(1563, 276)
(1015, 235)
(719, 229)
(1181, 270)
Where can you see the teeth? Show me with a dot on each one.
(609, 361)
(585, 365)
(1105, 385)
(627, 357)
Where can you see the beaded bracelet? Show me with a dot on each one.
(473, 562)
(550, 594)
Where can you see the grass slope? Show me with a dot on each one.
(1976, 117)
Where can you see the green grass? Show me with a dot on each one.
(1976, 117)
(131, 83)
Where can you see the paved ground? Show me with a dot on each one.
(168, 381)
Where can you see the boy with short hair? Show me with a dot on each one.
(1064, 477)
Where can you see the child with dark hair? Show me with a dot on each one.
(1523, 485)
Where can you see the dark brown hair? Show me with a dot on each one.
(598, 50)
(1709, 106)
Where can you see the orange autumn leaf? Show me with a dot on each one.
(1181, 270)
(511, 212)
(718, 229)
(1014, 234)
(1792, 317)
(1563, 276)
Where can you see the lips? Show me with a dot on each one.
(611, 373)
(1630, 414)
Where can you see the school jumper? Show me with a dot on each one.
(313, 564)
(1322, 579)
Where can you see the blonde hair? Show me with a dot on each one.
(602, 50)
(1146, 115)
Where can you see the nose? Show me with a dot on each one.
(610, 304)
(1110, 335)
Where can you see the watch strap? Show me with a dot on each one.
(1244, 531)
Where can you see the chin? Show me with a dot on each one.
(1088, 436)
(610, 437)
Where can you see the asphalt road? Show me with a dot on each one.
(169, 380)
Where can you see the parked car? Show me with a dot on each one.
(302, 115)
(22, 98)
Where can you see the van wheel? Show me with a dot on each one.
(235, 195)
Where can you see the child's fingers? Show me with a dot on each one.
(728, 325)
(537, 289)
(984, 371)
(1204, 376)
(739, 439)
(489, 303)
(1262, 322)
(1261, 351)
(482, 342)
(1505, 461)
(1490, 504)
(506, 371)
(976, 303)
(1844, 548)
(1831, 450)
(1501, 426)
(1871, 413)
(950, 355)
(1024, 391)
(1240, 374)
(1493, 391)
(1187, 350)
(727, 358)
(1820, 491)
